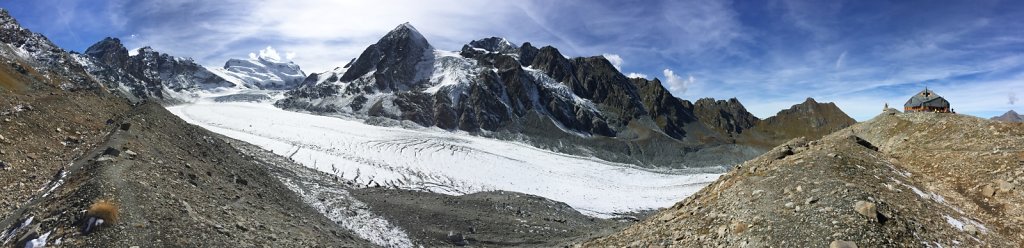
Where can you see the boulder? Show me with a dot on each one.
(867, 209)
(842, 244)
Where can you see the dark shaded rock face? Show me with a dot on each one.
(149, 73)
(493, 85)
(395, 63)
(729, 116)
(527, 53)
(172, 72)
(109, 51)
(669, 113)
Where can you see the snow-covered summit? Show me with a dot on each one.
(263, 71)
(493, 45)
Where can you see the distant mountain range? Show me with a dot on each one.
(1010, 116)
(491, 87)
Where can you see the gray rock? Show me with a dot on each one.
(866, 209)
(131, 154)
(988, 190)
(110, 151)
(971, 229)
(457, 239)
(842, 244)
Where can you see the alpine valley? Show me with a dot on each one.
(496, 144)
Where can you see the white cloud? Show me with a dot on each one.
(636, 75)
(676, 84)
(270, 54)
(615, 59)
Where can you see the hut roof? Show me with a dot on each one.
(927, 98)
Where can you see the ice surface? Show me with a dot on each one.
(441, 161)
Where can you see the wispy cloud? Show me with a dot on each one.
(839, 61)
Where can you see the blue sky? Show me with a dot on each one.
(770, 54)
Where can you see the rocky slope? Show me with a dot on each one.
(66, 143)
(1009, 116)
(898, 180)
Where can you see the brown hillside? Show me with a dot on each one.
(808, 119)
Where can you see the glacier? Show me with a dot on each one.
(435, 160)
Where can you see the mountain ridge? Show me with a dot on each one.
(493, 85)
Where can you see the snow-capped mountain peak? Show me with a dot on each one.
(269, 54)
(493, 45)
(265, 70)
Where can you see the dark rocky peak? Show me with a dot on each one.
(671, 114)
(726, 115)
(600, 64)
(393, 60)
(526, 54)
(405, 32)
(109, 51)
(492, 45)
(551, 62)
